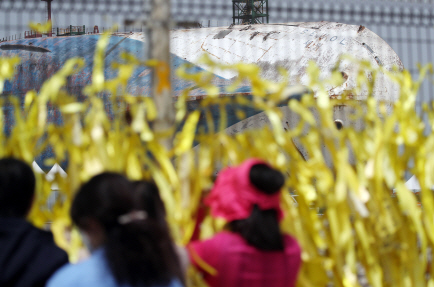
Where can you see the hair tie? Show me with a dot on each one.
(132, 216)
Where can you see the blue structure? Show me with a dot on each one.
(42, 57)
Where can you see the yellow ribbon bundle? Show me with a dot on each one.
(363, 231)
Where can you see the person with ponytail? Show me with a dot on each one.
(147, 192)
(252, 251)
(128, 246)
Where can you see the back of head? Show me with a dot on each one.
(17, 187)
(138, 250)
(147, 193)
(266, 179)
(104, 197)
(261, 229)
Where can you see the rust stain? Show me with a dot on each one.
(224, 51)
(248, 44)
(206, 51)
(264, 53)
(322, 37)
(361, 28)
(335, 97)
(344, 75)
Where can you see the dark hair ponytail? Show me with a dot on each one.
(147, 193)
(139, 252)
(142, 254)
(261, 229)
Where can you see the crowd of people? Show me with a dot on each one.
(123, 225)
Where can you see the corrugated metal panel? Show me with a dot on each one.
(292, 46)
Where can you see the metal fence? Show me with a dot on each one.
(17, 14)
(407, 26)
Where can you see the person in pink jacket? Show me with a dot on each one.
(252, 251)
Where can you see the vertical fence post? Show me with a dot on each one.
(159, 49)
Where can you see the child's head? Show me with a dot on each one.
(248, 197)
(238, 189)
(139, 250)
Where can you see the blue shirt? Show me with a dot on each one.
(94, 272)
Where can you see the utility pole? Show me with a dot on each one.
(159, 49)
(50, 33)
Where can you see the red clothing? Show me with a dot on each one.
(241, 265)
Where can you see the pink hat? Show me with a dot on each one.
(233, 195)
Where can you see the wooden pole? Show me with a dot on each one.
(159, 49)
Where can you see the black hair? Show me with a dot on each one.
(148, 194)
(139, 253)
(261, 229)
(17, 187)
